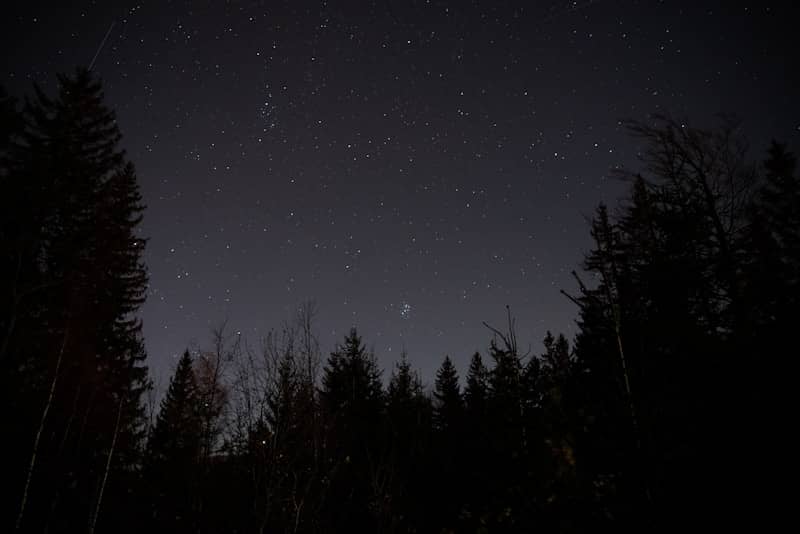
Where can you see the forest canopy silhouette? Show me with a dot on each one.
(658, 412)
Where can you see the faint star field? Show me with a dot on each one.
(414, 167)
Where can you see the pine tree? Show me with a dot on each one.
(406, 446)
(176, 434)
(406, 403)
(556, 358)
(451, 462)
(449, 405)
(351, 381)
(478, 467)
(75, 244)
(780, 203)
(662, 353)
(772, 252)
(507, 435)
(771, 296)
(174, 451)
(505, 385)
(352, 404)
(476, 390)
(556, 374)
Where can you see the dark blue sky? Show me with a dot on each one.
(414, 167)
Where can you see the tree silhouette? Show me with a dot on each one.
(406, 448)
(352, 402)
(448, 473)
(476, 390)
(70, 327)
(177, 432)
(771, 285)
(653, 417)
(449, 404)
(174, 451)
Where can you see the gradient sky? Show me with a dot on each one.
(414, 167)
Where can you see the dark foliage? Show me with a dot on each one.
(71, 354)
(661, 415)
(173, 453)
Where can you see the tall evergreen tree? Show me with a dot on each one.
(779, 202)
(176, 435)
(174, 451)
(351, 383)
(352, 401)
(406, 402)
(407, 445)
(771, 296)
(665, 346)
(508, 435)
(557, 463)
(772, 248)
(505, 393)
(449, 405)
(476, 390)
(450, 461)
(78, 208)
(478, 469)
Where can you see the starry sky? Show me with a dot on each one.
(412, 166)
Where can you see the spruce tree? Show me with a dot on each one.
(556, 358)
(771, 287)
(507, 436)
(476, 390)
(352, 403)
(78, 209)
(351, 382)
(407, 406)
(176, 433)
(478, 467)
(773, 250)
(408, 415)
(449, 405)
(450, 470)
(780, 203)
(174, 449)
(665, 347)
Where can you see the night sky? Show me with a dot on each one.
(414, 167)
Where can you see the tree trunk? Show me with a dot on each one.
(32, 464)
(93, 523)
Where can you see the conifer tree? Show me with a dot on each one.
(555, 381)
(663, 351)
(771, 296)
(174, 451)
(478, 466)
(775, 251)
(476, 390)
(450, 470)
(449, 405)
(505, 384)
(408, 415)
(507, 434)
(406, 403)
(352, 403)
(77, 206)
(351, 382)
(176, 434)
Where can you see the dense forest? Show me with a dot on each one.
(666, 410)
